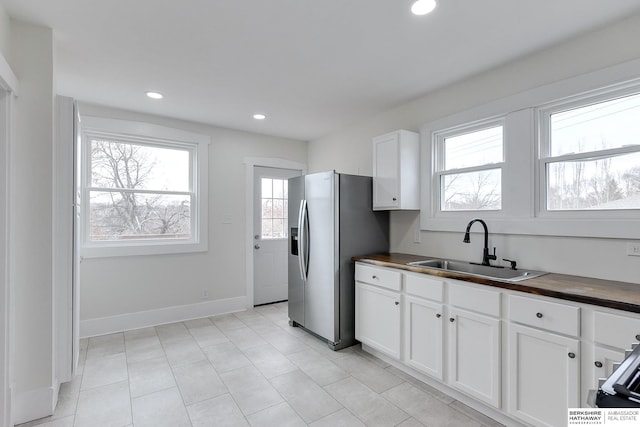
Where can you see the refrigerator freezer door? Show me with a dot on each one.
(296, 283)
(320, 314)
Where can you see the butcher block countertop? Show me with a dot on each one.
(604, 293)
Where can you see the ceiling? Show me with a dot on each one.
(311, 66)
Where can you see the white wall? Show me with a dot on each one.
(31, 58)
(349, 151)
(121, 286)
(5, 28)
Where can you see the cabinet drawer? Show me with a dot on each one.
(615, 331)
(424, 286)
(483, 301)
(560, 318)
(378, 276)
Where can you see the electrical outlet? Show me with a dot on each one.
(417, 236)
(633, 249)
(205, 294)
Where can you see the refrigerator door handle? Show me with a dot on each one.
(302, 239)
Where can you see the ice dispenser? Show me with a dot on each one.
(294, 241)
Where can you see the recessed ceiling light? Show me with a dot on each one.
(155, 95)
(422, 7)
(259, 116)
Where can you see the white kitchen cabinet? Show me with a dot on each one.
(544, 375)
(396, 171)
(378, 308)
(521, 356)
(617, 330)
(613, 333)
(423, 325)
(602, 365)
(474, 355)
(378, 318)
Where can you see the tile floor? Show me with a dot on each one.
(243, 369)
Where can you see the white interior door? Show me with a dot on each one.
(270, 234)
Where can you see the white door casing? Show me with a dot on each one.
(270, 234)
(8, 92)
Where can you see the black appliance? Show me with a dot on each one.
(622, 388)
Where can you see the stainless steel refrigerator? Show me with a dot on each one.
(331, 220)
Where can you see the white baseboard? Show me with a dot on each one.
(143, 319)
(32, 404)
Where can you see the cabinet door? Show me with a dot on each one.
(602, 366)
(423, 336)
(474, 355)
(544, 380)
(378, 318)
(386, 172)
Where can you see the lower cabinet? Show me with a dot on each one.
(378, 318)
(423, 322)
(604, 359)
(544, 375)
(516, 353)
(474, 355)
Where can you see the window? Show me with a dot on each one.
(274, 208)
(144, 189)
(469, 170)
(590, 154)
(561, 159)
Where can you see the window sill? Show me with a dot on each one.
(159, 248)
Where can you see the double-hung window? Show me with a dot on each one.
(144, 189)
(590, 154)
(469, 163)
(561, 160)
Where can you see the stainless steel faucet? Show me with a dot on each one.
(486, 257)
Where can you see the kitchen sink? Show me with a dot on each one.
(479, 270)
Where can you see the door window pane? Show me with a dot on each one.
(274, 208)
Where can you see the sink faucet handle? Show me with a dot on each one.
(512, 262)
(494, 254)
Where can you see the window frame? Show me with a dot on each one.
(544, 157)
(151, 135)
(284, 207)
(439, 172)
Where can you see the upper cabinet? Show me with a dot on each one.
(396, 171)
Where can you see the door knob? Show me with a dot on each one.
(257, 246)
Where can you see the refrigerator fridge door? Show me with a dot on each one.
(321, 290)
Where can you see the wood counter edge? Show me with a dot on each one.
(623, 296)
